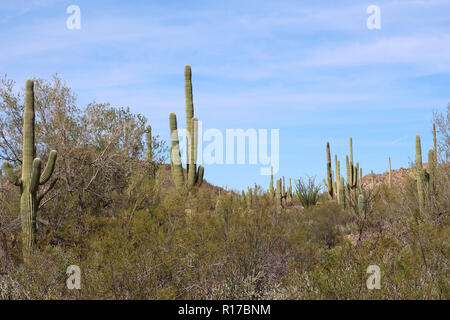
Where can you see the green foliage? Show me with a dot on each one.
(325, 223)
(307, 191)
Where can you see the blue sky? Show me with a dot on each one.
(309, 68)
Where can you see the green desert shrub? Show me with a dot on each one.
(326, 223)
(307, 191)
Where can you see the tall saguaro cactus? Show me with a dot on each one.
(278, 196)
(289, 194)
(175, 155)
(271, 181)
(341, 191)
(425, 179)
(149, 143)
(329, 180)
(32, 177)
(194, 176)
(338, 179)
(419, 172)
(189, 113)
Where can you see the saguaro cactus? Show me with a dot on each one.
(419, 172)
(337, 178)
(175, 155)
(424, 177)
(352, 171)
(329, 180)
(360, 178)
(278, 196)
(341, 197)
(32, 177)
(271, 181)
(194, 176)
(290, 191)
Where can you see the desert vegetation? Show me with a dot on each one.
(114, 200)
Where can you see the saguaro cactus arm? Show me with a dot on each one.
(49, 168)
(192, 173)
(351, 150)
(10, 174)
(201, 172)
(35, 174)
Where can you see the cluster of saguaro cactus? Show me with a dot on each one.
(194, 176)
(353, 183)
(336, 187)
(32, 177)
(281, 192)
(335, 191)
(286, 192)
